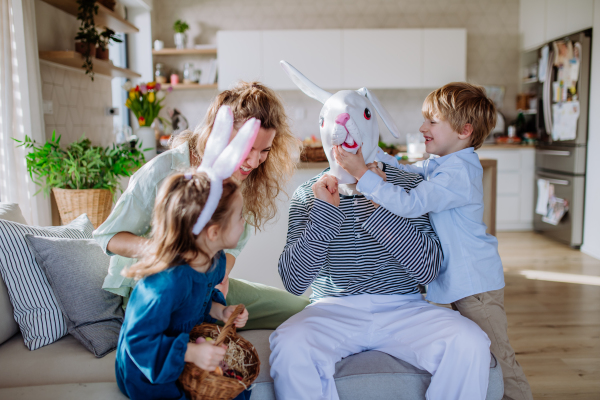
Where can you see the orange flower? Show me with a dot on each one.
(142, 121)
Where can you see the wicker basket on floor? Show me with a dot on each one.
(313, 154)
(199, 384)
(96, 203)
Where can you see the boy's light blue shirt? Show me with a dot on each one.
(452, 194)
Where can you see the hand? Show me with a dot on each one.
(326, 189)
(353, 163)
(240, 320)
(205, 355)
(375, 168)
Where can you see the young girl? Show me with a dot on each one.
(176, 288)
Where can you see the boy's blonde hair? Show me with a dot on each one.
(462, 103)
(178, 204)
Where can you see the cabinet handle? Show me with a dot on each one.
(561, 182)
(555, 153)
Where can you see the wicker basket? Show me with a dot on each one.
(313, 154)
(199, 384)
(96, 203)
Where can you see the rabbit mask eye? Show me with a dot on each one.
(321, 122)
(367, 114)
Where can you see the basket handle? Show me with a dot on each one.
(229, 326)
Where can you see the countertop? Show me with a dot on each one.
(485, 163)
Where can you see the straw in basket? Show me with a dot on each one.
(200, 384)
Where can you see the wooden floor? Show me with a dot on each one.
(554, 327)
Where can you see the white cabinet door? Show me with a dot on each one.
(239, 55)
(580, 15)
(565, 17)
(532, 16)
(444, 56)
(382, 58)
(315, 53)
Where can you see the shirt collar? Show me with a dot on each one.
(180, 157)
(433, 162)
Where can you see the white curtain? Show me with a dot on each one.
(20, 108)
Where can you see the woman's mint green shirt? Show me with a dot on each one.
(133, 213)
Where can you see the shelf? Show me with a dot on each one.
(190, 86)
(530, 80)
(184, 52)
(75, 60)
(105, 17)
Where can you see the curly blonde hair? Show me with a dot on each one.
(261, 188)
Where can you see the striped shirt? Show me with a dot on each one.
(356, 248)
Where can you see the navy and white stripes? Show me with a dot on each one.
(357, 249)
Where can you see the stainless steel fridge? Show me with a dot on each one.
(562, 162)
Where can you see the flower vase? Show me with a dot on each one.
(147, 139)
(180, 40)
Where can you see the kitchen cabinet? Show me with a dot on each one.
(515, 186)
(336, 59)
(541, 21)
(394, 58)
(444, 57)
(316, 53)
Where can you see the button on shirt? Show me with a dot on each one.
(452, 194)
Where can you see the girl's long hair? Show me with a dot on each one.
(263, 185)
(178, 205)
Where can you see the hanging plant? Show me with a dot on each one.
(87, 37)
(104, 41)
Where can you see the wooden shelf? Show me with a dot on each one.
(529, 80)
(190, 86)
(184, 52)
(105, 18)
(75, 60)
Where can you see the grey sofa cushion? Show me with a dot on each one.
(368, 375)
(35, 307)
(72, 391)
(8, 325)
(75, 269)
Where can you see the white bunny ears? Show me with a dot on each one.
(312, 90)
(221, 160)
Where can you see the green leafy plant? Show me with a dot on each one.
(87, 34)
(107, 36)
(180, 26)
(80, 165)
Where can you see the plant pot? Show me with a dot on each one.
(96, 203)
(82, 48)
(101, 54)
(180, 40)
(147, 138)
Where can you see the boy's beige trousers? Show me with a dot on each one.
(487, 311)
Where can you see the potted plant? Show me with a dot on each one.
(104, 41)
(83, 178)
(87, 37)
(180, 28)
(144, 101)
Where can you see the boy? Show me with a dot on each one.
(458, 118)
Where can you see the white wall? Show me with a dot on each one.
(591, 232)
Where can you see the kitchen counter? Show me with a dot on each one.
(506, 146)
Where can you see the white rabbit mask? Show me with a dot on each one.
(221, 158)
(348, 119)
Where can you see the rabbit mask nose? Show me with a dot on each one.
(342, 119)
(346, 133)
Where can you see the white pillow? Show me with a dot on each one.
(12, 212)
(35, 306)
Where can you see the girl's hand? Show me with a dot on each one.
(240, 320)
(205, 355)
(354, 164)
(326, 189)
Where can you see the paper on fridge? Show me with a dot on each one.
(541, 206)
(565, 117)
(543, 63)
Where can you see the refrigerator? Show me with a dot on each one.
(562, 163)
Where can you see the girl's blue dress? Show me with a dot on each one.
(161, 313)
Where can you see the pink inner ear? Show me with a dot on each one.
(249, 144)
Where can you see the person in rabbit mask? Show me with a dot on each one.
(364, 265)
(263, 175)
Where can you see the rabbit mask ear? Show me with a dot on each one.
(385, 116)
(218, 139)
(309, 88)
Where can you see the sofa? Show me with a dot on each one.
(66, 370)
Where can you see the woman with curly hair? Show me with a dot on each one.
(263, 175)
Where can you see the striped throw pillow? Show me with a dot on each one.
(35, 306)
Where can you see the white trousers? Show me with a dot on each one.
(305, 348)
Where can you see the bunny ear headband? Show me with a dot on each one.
(221, 160)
